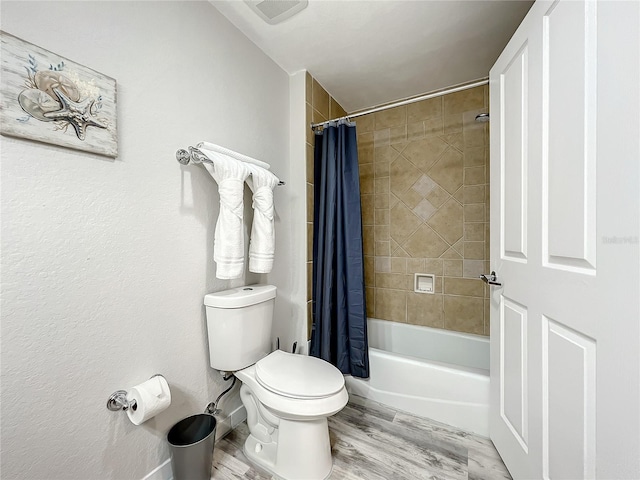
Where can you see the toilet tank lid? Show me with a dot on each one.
(240, 296)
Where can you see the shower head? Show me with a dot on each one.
(482, 117)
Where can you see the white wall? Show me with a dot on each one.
(105, 263)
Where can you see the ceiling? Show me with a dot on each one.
(366, 53)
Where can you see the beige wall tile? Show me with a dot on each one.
(383, 265)
(317, 116)
(381, 169)
(368, 239)
(473, 268)
(391, 117)
(474, 232)
(366, 179)
(364, 123)
(391, 305)
(448, 170)
(384, 153)
(310, 164)
(474, 250)
(474, 157)
(365, 148)
(410, 198)
(367, 209)
(309, 202)
(415, 265)
(474, 176)
(403, 223)
(381, 233)
(310, 242)
(398, 265)
(474, 137)
(425, 152)
(424, 109)
(469, 99)
(371, 301)
(425, 309)
(382, 200)
(415, 131)
(369, 271)
(391, 280)
(463, 286)
(381, 185)
(464, 314)
(452, 123)
(398, 134)
(381, 138)
(335, 109)
(473, 194)
(447, 221)
(309, 280)
(320, 99)
(383, 249)
(437, 196)
(434, 266)
(308, 121)
(487, 317)
(308, 93)
(403, 175)
(474, 213)
(434, 126)
(382, 216)
(425, 243)
(452, 268)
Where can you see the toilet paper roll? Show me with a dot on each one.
(152, 397)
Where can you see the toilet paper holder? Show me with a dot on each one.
(118, 400)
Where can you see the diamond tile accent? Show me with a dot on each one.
(423, 153)
(424, 185)
(448, 170)
(403, 223)
(425, 243)
(424, 209)
(403, 175)
(448, 221)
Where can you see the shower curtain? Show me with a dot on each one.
(339, 331)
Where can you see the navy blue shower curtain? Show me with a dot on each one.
(339, 332)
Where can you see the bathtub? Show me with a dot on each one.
(428, 372)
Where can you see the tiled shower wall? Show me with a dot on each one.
(320, 108)
(424, 174)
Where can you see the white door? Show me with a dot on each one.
(565, 211)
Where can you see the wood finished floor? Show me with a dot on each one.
(374, 442)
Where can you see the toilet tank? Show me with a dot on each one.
(239, 326)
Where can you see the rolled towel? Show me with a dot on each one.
(228, 245)
(262, 244)
(212, 147)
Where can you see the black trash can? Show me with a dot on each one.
(191, 442)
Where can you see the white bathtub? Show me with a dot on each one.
(429, 372)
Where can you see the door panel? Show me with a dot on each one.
(568, 135)
(565, 228)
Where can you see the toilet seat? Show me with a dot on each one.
(298, 376)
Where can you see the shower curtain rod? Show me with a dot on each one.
(426, 96)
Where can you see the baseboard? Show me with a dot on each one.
(224, 426)
(162, 472)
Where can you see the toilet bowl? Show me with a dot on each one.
(288, 399)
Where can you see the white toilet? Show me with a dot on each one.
(287, 397)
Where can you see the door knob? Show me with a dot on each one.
(490, 279)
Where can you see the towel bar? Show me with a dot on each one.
(195, 155)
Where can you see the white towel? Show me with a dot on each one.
(228, 245)
(262, 245)
(230, 153)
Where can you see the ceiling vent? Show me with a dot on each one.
(276, 11)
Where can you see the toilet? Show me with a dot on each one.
(288, 397)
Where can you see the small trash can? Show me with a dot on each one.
(191, 442)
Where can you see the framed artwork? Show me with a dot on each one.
(50, 99)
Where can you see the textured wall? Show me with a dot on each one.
(424, 172)
(105, 263)
(320, 107)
